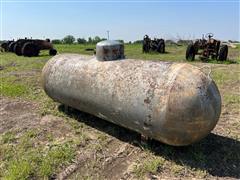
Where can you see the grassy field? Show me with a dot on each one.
(173, 53)
(39, 139)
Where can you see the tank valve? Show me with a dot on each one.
(109, 50)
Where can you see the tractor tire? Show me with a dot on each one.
(52, 52)
(223, 52)
(11, 46)
(161, 47)
(4, 46)
(146, 47)
(190, 52)
(18, 49)
(217, 48)
(29, 49)
(213, 57)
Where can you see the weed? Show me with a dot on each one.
(151, 165)
(8, 137)
(232, 99)
(27, 159)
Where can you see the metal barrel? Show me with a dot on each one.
(174, 103)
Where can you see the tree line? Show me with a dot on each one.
(69, 39)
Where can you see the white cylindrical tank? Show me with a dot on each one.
(174, 103)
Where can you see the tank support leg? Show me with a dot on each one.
(66, 108)
(144, 140)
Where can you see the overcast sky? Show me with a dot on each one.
(126, 20)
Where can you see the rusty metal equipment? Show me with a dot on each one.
(175, 103)
(207, 48)
(157, 45)
(32, 47)
(11, 46)
(6, 45)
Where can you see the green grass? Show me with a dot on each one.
(75, 48)
(225, 75)
(232, 98)
(12, 88)
(8, 137)
(22, 158)
(134, 51)
(173, 53)
(150, 165)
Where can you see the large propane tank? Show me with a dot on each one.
(175, 103)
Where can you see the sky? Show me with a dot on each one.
(127, 19)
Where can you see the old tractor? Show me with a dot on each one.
(5, 45)
(31, 47)
(157, 45)
(207, 47)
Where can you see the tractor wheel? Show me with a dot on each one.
(190, 53)
(29, 49)
(4, 46)
(17, 49)
(11, 46)
(161, 47)
(217, 48)
(145, 47)
(213, 57)
(52, 52)
(223, 52)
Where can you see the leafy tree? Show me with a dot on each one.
(120, 40)
(138, 42)
(81, 40)
(57, 41)
(90, 40)
(69, 39)
(184, 42)
(96, 39)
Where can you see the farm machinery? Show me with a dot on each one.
(207, 47)
(6, 45)
(29, 47)
(157, 45)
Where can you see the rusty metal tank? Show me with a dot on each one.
(175, 103)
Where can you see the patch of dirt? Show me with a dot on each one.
(25, 73)
(19, 116)
(11, 64)
(111, 162)
(22, 74)
(56, 125)
(118, 166)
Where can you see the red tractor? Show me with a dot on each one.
(207, 48)
(32, 47)
(28, 47)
